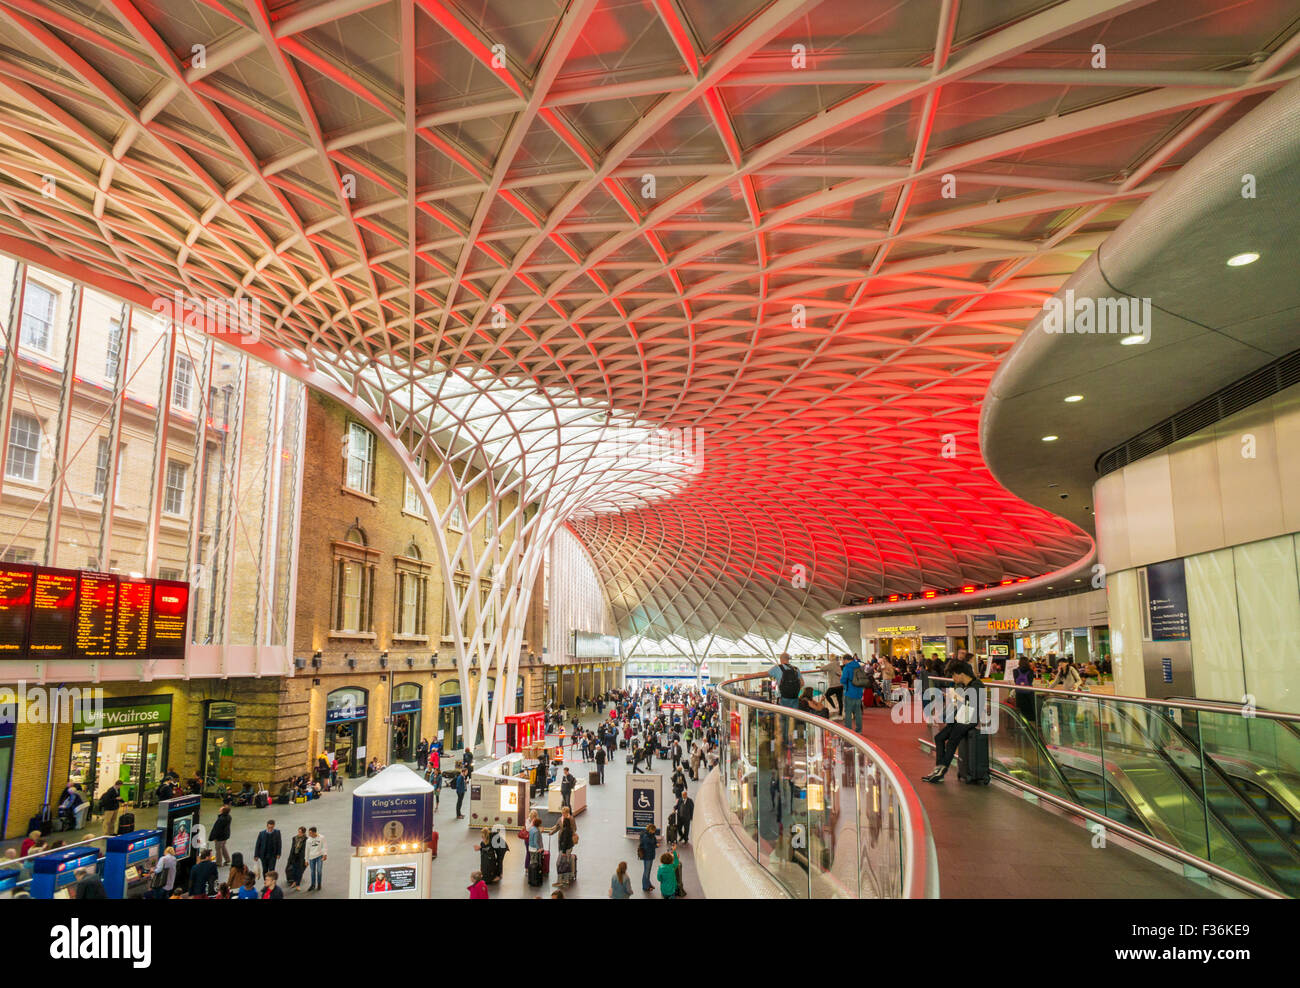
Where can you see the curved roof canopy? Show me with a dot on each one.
(798, 235)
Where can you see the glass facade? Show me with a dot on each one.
(199, 445)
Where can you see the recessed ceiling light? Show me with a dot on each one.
(1050, 439)
(1241, 260)
(1131, 339)
(1071, 399)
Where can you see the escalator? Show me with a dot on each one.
(1141, 766)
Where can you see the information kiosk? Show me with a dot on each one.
(54, 874)
(498, 793)
(392, 830)
(128, 862)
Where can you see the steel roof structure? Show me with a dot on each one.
(794, 237)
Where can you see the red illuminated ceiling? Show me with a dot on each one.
(799, 287)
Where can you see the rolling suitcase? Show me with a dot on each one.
(973, 759)
(125, 823)
(593, 778)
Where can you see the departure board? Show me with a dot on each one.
(131, 635)
(96, 603)
(171, 607)
(54, 612)
(15, 603)
(48, 614)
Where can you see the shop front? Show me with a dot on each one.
(405, 722)
(129, 743)
(345, 728)
(898, 641)
(449, 715)
(218, 745)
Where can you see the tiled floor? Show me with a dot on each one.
(601, 847)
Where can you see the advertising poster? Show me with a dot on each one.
(181, 831)
(383, 879)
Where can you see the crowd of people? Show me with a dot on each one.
(677, 726)
(852, 683)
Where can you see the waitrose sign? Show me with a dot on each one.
(131, 711)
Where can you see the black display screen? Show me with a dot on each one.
(54, 613)
(96, 604)
(48, 614)
(15, 605)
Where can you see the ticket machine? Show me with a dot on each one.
(54, 874)
(128, 861)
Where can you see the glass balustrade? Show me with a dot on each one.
(824, 812)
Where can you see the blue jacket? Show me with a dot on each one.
(460, 785)
(846, 680)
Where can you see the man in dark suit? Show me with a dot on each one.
(566, 787)
(267, 848)
(685, 812)
(600, 761)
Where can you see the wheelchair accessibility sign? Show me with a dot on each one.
(644, 803)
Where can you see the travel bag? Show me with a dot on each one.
(973, 758)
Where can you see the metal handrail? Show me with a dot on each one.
(1153, 843)
(1214, 708)
(51, 850)
(1137, 836)
(919, 873)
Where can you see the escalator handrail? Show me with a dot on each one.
(1189, 789)
(1215, 708)
(1031, 731)
(1208, 760)
(1163, 706)
(920, 872)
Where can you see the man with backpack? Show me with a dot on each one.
(789, 682)
(854, 678)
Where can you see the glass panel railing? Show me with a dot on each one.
(823, 811)
(1214, 783)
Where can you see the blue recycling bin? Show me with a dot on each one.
(54, 873)
(128, 861)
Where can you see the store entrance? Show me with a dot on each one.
(342, 740)
(405, 738)
(138, 758)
